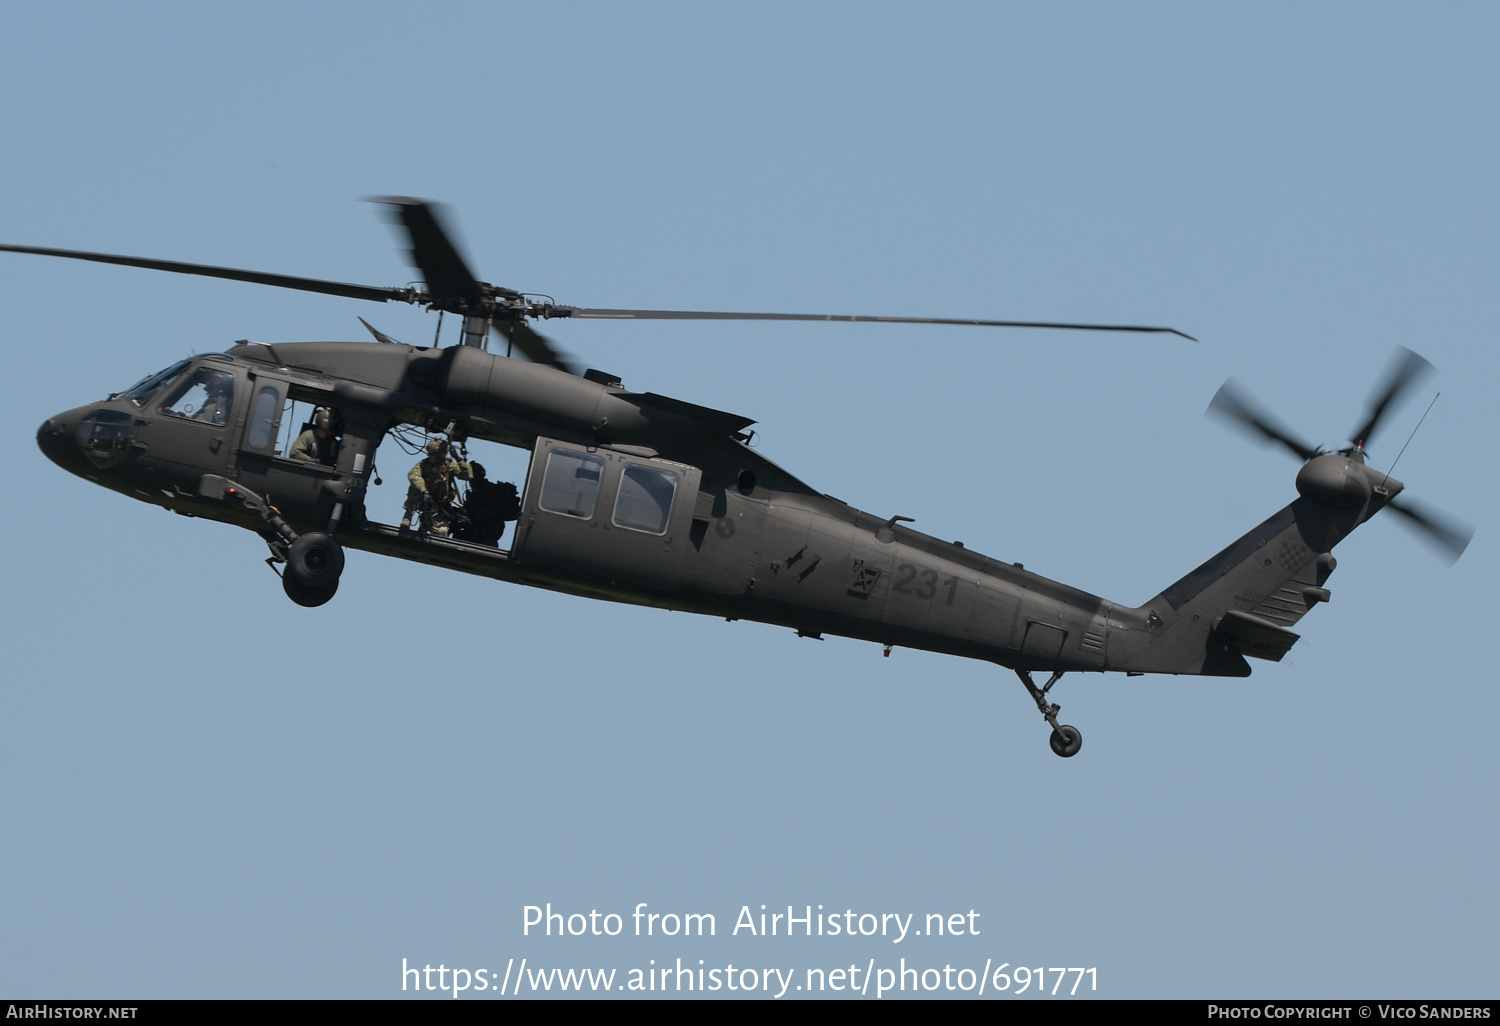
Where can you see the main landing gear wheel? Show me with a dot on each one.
(1066, 741)
(315, 561)
(313, 565)
(305, 596)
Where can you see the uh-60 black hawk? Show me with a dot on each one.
(637, 497)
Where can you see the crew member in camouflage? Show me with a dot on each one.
(432, 479)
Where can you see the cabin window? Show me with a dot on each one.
(205, 397)
(570, 485)
(644, 502)
(263, 417)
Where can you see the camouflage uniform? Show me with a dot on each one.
(434, 477)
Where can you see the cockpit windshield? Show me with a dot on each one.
(141, 392)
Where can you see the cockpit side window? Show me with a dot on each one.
(205, 396)
(141, 392)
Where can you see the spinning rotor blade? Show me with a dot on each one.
(535, 347)
(1444, 533)
(285, 281)
(1229, 402)
(452, 287)
(432, 252)
(704, 315)
(1408, 370)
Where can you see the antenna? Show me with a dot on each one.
(1409, 438)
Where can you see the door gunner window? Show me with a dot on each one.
(570, 485)
(645, 499)
(205, 397)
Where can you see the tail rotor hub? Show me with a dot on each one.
(1342, 480)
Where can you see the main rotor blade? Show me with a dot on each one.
(284, 281)
(705, 315)
(1229, 402)
(432, 251)
(535, 347)
(1407, 370)
(1448, 535)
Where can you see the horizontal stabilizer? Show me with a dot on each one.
(1257, 638)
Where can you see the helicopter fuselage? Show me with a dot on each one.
(643, 499)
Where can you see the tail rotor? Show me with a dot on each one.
(1341, 479)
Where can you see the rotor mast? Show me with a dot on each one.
(476, 331)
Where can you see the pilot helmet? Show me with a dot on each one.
(436, 446)
(323, 420)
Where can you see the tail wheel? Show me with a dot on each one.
(1066, 741)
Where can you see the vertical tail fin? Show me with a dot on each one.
(1241, 601)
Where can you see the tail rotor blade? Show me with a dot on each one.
(1229, 402)
(1408, 368)
(1449, 536)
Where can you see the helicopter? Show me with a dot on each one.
(642, 498)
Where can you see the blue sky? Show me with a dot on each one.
(208, 791)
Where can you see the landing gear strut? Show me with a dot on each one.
(1065, 740)
(313, 561)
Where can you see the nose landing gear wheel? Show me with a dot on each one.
(1066, 741)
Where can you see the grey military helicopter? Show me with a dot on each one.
(641, 498)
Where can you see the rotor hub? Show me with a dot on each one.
(1334, 479)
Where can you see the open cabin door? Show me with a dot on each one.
(606, 514)
(297, 485)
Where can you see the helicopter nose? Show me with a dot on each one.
(86, 440)
(55, 439)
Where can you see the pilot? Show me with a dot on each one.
(432, 479)
(219, 388)
(316, 444)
